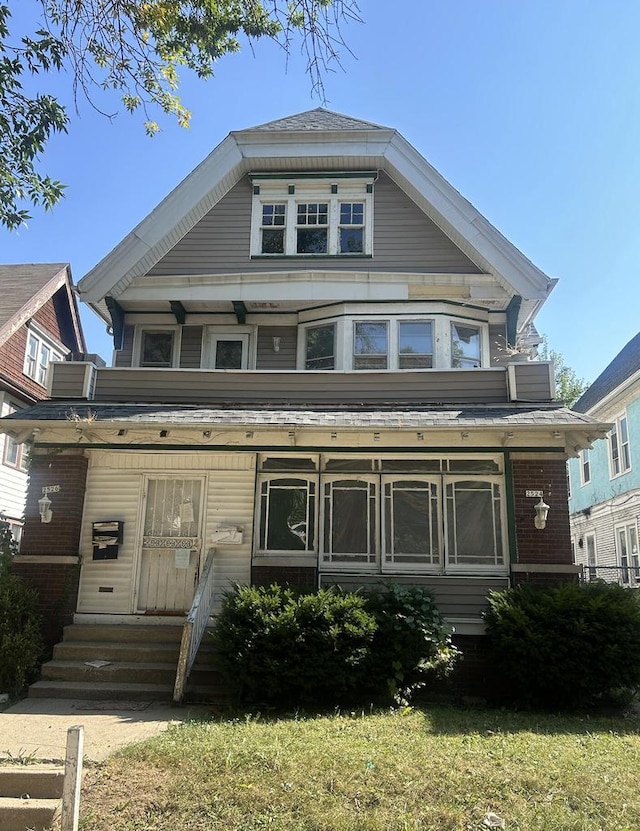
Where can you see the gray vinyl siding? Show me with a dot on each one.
(70, 382)
(497, 342)
(285, 358)
(191, 347)
(202, 386)
(460, 597)
(124, 356)
(532, 381)
(405, 240)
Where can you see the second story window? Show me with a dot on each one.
(312, 228)
(320, 347)
(619, 455)
(370, 345)
(351, 229)
(156, 349)
(585, 466)
(465, 346)
(415, 344)
(39, 354)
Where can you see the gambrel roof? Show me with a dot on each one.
(317, 140)
(26, 287)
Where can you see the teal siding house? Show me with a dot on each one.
(604, 481)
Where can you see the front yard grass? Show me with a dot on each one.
(405, 770)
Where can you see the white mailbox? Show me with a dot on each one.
(227, 535)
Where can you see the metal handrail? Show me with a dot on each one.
(194, 627)
(624, 575)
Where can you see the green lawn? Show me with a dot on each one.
(405, 770)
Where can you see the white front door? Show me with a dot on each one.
(170, 549)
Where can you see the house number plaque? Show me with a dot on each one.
(534, 494)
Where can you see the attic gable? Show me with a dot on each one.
(322, 144)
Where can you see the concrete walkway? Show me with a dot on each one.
(37, 728)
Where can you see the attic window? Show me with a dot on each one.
(313, 217)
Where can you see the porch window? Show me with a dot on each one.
(411, 537)
(287, 515)
(350, 526)
(474, 523)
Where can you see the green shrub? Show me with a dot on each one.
(412, 643)
(568, 647)
(281, 649)
(329, 648)
(20, 636)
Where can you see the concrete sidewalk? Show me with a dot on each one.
(37, 728)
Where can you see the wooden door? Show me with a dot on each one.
(170, 550)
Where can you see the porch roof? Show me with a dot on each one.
(383, 416)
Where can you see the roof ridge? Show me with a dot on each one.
(319, 119)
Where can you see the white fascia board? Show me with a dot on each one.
(457, 217)
(619, 398)
(166, 224)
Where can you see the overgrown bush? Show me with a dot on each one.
(573, 646)
(411, 645)
(20, 635)
(328, 648)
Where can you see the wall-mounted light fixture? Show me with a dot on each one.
(542, 510)
(44, 506)
(276, 344)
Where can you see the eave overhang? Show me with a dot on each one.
(255, 150)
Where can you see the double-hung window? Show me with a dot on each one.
(13, 452)
(415, 344)
(628, 554)
(371, 344)
(38, 355)
(585, 466)
(619, 455)
(311, 216)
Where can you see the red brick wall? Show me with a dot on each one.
(553, 543)
(62, 535)
(57, 587)
(295, 576)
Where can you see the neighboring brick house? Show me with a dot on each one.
(310, 380)
(605, 480)
(39, 323)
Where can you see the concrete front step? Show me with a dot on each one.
(148, 672)
(121, 632)
(33, 814)
(154, 652)
(101, 691)
(33, 781)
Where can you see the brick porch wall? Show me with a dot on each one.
(48, 558)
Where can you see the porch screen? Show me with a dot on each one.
(473, 519)
(287, 515)
(411, 523)
(349, 521)
(173, 508)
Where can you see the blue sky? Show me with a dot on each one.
(531, 108)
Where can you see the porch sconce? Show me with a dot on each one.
(542, 510)
(44, 506)
(276, 344)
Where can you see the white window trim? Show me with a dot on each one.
(617, 423)
(591, 535)
(440, 336)
(137, 343)
(633, 578)
(584, 455)
(56, 349)
(305, 191)
(213, 334)
(19, 464)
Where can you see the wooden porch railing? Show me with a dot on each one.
(194, 627)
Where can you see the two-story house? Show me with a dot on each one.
(605, 480)
(311, 386)
(39, 323)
